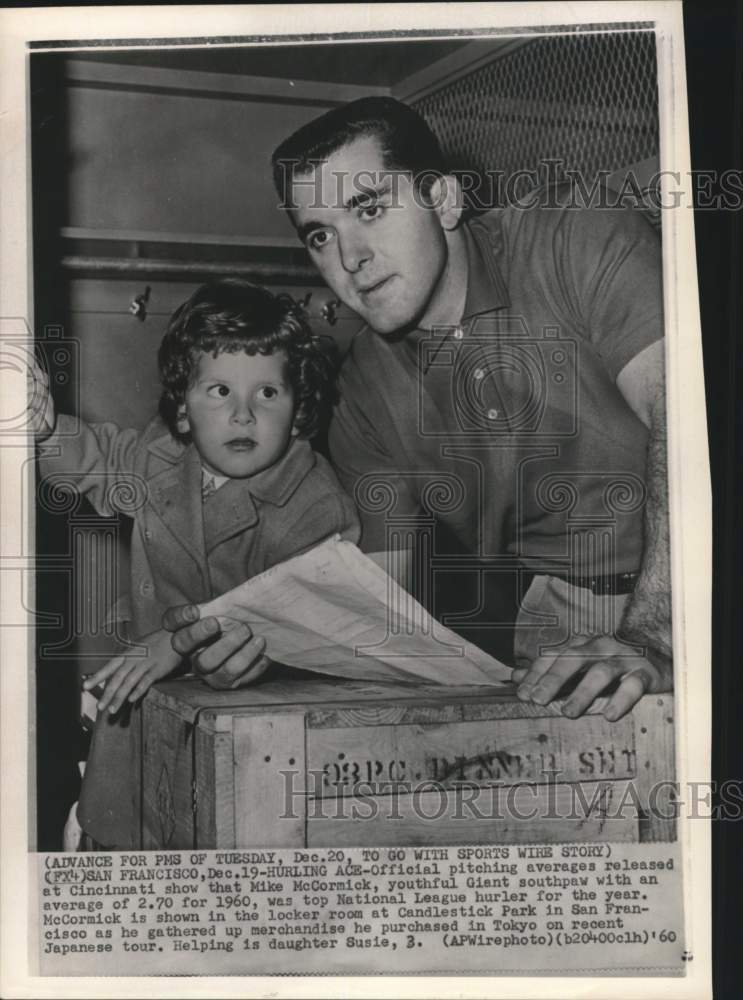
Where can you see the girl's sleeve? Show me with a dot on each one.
(98, 461)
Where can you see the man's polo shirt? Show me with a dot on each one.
(510, 430)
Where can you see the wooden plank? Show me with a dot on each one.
(204, 788)
(190, 270)
(214, 797)
(494, 751)
(653, 718)
(334, 703)
(437, 708)
(299, 691)
(443, 707)
(155, 236)
(224, 790)
(521, 814)
(228, 85)
(269, 781)
(167, 761)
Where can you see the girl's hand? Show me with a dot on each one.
(129, 677)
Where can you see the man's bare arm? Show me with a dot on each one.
(647, 617)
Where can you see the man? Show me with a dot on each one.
(516, 363)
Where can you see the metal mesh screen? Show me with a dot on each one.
(588, 100)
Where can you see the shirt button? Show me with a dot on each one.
(146, 588)
(147, 534)
(479, 374)
(492, 414)
(458, 333)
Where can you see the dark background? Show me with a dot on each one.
(714, 66)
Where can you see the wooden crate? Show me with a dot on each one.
(301, 761)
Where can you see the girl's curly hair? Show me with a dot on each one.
(232, 315)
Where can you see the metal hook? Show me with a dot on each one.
(138, 305)
(330, 310)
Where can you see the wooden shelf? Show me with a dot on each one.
(183, 256)
(190, 270)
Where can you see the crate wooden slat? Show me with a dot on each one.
(448, 817)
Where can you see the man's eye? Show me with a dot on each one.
(268, 392)
(218, 391)
(370, 212)
(319, 239)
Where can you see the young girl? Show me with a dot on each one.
(222, 487)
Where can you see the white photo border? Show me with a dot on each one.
(688, 460)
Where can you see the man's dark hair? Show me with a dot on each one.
(406, 141)
(232, 315)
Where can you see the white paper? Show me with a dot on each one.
(334, 611)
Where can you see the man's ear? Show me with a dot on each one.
(181, 420)
(446, 198)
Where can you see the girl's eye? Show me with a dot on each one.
(268, 392)
(218, 391)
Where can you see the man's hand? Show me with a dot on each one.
(129, 677)
(224, 658)
(605, 662)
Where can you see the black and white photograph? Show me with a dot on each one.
(357, 378)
